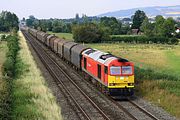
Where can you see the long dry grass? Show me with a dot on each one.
(31, 97)
(152, 90)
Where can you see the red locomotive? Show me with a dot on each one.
(115, 74)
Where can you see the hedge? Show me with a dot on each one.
(143, 39)
(13, 48)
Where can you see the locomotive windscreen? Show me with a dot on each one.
(127, 70)
(115, 70)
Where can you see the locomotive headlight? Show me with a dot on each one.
(111, 84)
(130, 84)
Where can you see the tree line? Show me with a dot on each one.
(111, 24)
(8, 22)
(95, 29)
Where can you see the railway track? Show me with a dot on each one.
(134, 110)
(129, 107)
(87, 109)
(143, 110)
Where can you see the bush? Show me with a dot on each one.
(129, 39)
(144, 39)
(177, 35)
(89, 33)
(8, 67)
(149, 74)
(174, 41)
(13, 48)
(3, 37)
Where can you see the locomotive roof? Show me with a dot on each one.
(99, 56)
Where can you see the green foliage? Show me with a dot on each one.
(89, 33)
(168, 27)
(162, 30)
(130, 39)
(9, 65)
(8, 21)
(138, 19)
(159, 21)
(144, 39)
(177, 35)
(161, 27)
(147, 28)
(53, 25)
(3, 37)
(112, 24)
(150, 74)
(30, 21)
(125, 29)
(174, 40)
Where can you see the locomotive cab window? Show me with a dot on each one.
(115, 70)
(127, 70)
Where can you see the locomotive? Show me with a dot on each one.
(114, 75)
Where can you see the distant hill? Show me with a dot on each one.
(166, 11)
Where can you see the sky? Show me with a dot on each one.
(45, 9)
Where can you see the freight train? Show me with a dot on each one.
(114, 75)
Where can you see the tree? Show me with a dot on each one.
(30, 21)
(159, 21)
(138, 19)
(112, 23)
(24, 19)
(89, 33)
(8, 21)
(77, 19)
(147, 27)
(84, 18)
(125, 29)
(168, 27)
(57, 26)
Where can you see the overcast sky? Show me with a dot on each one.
(68, 8)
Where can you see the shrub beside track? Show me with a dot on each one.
(143, 39)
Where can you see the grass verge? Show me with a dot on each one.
(153, 90)
(31, 99)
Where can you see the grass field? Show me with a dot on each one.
(161, 59)
(4, 87)
(31, 99)
(67, 36)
